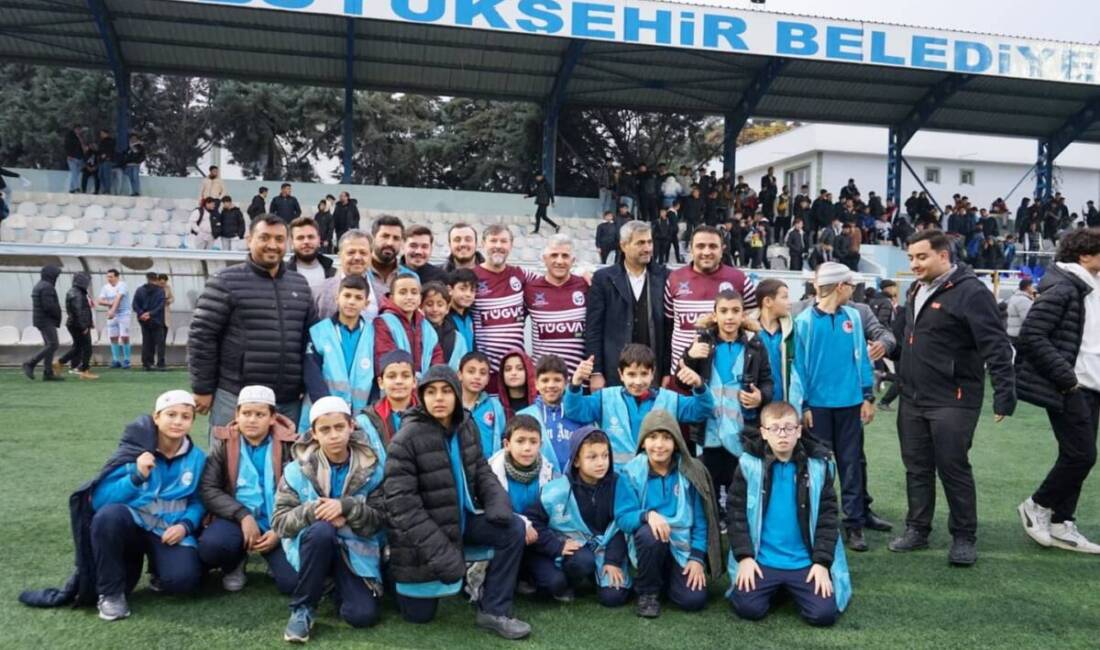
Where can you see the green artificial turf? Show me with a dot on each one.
(55, 436)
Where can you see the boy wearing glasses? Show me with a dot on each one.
(792, 545)
(831, 386)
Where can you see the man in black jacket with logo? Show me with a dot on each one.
(46, 317)
(250, 326)
(950, 332)
(1058, 366)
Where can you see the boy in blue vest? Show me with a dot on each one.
(664, 502)
(619, 410)
(578, 539)
(485, 410)
(463, 285)
(734, 365)
(557, 430)
(776, 329)
(435, 302)
(401, 326)
(238, 486)
(793, 545)
(149, 506)
(329, 516)
(340, 355)
(381, 420)
(832, 386)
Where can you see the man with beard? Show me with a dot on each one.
(418, 250)
(388, 234)
(462, 240)
(355, 255)
(250, 327)
(556, 303)
(691, 290)
(305, 238)
(498, 307)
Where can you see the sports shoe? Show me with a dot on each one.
(299, 626)
(154, 584)
(524, 588)
(964, 552)
(1036, 521)
(126, 365)
(911, 540)
(503, 626)
(566, 596)
(87, 374)
(57, 367)
(112, 608)
(853, 539)
(74, 371)
(116, 364)
(649, 606)
(1066, 536)
(876, 523)
(28, 370)
(235, 579)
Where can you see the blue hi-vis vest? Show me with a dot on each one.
(803, 323)
(488, 414)
(428, 338)
(260, 503)
(565, 518)
(616, 422)
(547, 445)
(354, 389)
(162, 505)
(374, 437)
(363, 554)
(460, 349)
(637, 475)
(752, 468)
(723, 427)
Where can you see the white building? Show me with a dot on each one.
(982, 167)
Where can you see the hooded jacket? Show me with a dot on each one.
(219, 477)
(756, 365)
(692, 469)
(46, 307)
(414, 331)
(345, 216)
(76, 303)
(421, 496)
(502, 391)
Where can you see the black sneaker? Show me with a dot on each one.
(28, 370)
(911, 540)
(876, 523)
(648, 606)
(853, 539)
(964, 552)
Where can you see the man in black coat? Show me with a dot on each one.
(258, 205)
(285, 206)
(626, 305)
(544, 198)
(418, 250)
(950, 333)
(46, 316)
(1058, 368)
(345, 215)
(148, 305)
(80, 322)
(250, 326)
(442, 499)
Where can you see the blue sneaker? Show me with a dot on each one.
(125, 365)
(116, 364)
(298, 627)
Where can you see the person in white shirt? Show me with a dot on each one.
(116, 298)
(201, 223)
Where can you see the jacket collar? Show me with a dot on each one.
(261, 271)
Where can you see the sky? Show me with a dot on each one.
(1061, 20)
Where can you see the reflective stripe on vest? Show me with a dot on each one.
(356, 389)
(565, 518)
(723, 428)
(248, 491)
(637, 474)
(616, 421)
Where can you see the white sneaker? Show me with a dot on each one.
(1036, 521)
(235, 579)
(1066, 536)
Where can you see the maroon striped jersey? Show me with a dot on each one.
(557, 318)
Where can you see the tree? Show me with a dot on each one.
(173, 117)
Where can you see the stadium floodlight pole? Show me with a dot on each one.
(349, 102)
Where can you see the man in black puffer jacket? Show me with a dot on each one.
(250, 326)
(47, 318)
(440, 496)
(1058, 366)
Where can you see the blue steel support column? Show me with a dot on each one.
(118, 67)
(746, 106)
(1044, 170)
(893, 167)
(1053, 145)
(349, 103)
(552, 110)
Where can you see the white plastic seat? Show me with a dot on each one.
(15, 220)
(148, 241)
(64, 224)
(81, 199)
(100, 238)
(31, 336)
(152, 227)
(131, 226)
(109, 225)
(73, 210)
(94, 212)
(27, 209)
(49, 210)
(116, 212)
(103, 200)
(170, 241)
(145, 202)
(139, 214)
(78, 238)
(180, 228)
(31, 236)
(125, 240)
(39, 223)
(186, 204)
(53, 237)
(158, 214)
(9, 335)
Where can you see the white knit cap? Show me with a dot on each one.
(174, 398)
(833, 273)
(256, 395)
(327, 405)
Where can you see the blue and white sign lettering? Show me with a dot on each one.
(725, 30)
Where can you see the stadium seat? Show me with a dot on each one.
(103, 200)
(31, 336)
(180, 228)
(30, 236)
(148, 241)
(125, 240)
(170, 241)
(115, 212)
(27, 209)
(131, 226)
(100, 238)
(94, 212)
(15, 220)
(49, 210)
(53, 237)
(9, 335)
(124, 201)
(158, 214)
(38, 223)
(78, 238)
(110, 225)
(139, 214)
(152, 227)
(145, 202)
(73, 210)
(81, 199)
(185, 204)
(64, 224)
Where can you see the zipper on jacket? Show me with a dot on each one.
(282, 332)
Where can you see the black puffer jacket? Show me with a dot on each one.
(421, 497)
(1046, 349)
(76, 303)
(251, 328)
(47, 309)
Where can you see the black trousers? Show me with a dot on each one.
(80, 356)
(647, 207)
(152, 343)
(937, 440)
(1075, 430)
(721, 465)
(661, 248)
(540, 216)
(45, 355)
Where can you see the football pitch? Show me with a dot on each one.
(55, 436)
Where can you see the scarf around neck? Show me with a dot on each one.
(523, 475)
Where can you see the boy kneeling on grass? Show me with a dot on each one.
(238, 487)
(664, 502)
(782, 524)
(328, 513)
(441, 495)
(578, 539)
